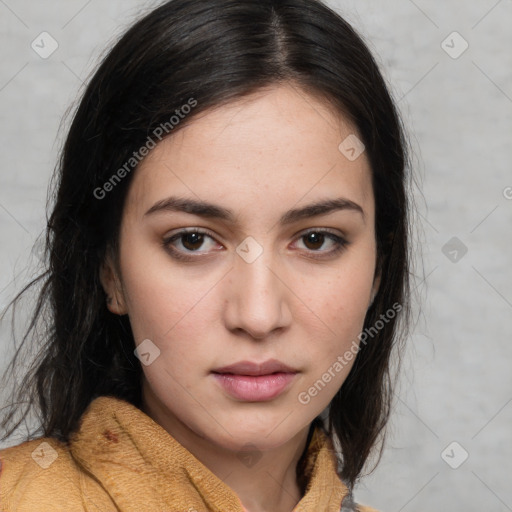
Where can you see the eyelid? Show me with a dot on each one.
(184, 231)
(180, 255)
(331, 231)
(339, 239)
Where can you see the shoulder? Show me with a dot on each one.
(41, 474)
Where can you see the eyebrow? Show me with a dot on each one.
(213, 211)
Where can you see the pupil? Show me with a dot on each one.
(315, 239)
(193, 240)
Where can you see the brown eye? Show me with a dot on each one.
(314, 240)
(322, 243)
(188, 245)
(192, 241)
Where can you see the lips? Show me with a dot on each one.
(250, 368)
(255, 382)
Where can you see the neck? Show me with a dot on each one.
(270, 485)
(264, 481)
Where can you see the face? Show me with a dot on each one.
(224, 262)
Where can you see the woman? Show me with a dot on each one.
(228, 271)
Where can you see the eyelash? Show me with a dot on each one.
(340, 242)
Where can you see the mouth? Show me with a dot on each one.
(255, 382)
(255, 369)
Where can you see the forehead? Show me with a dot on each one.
(267, 151)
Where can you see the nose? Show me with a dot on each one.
(257, 298)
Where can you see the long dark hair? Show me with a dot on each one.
(204, 54)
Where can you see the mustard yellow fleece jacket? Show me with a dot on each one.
(121, 460)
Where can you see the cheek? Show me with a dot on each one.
(345, 307)
(338, 307)
(342, 301)
(174, 318)
(174, 310)
(158, 295)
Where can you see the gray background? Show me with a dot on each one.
(456, 383)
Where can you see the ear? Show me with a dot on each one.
(112, 287)
(375, 287)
